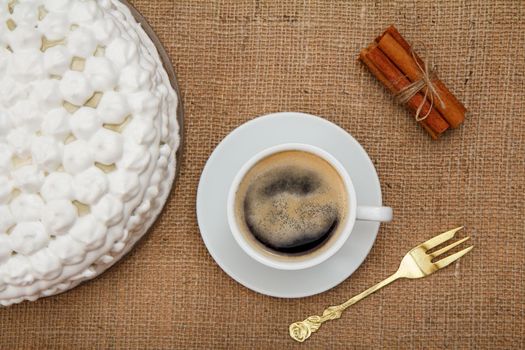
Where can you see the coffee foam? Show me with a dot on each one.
(292, 203)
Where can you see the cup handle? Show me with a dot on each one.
(373, 213)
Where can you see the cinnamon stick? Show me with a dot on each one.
(386, 83)
(394, 80)
(397, 50)
(399, 38)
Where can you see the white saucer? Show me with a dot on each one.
(227, 159)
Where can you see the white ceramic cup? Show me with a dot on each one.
(355, 211)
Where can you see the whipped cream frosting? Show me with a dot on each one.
(88, 136)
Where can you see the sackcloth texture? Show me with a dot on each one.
(237, 59)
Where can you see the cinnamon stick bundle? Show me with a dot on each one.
(391, 60)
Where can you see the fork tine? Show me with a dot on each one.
(441, 238)
(447, 248)
(450, 259)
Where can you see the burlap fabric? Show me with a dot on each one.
(239, 59)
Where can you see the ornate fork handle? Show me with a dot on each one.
(300, 331)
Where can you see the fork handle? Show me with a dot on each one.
(367, 292)
(300, 331)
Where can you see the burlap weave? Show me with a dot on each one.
(239, 59)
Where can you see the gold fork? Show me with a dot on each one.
(417, 263)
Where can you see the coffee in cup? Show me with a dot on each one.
(291, 204)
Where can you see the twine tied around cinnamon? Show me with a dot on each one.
(425, 82)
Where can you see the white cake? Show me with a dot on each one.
(88, 136)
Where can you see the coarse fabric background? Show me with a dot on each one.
(238, 59)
